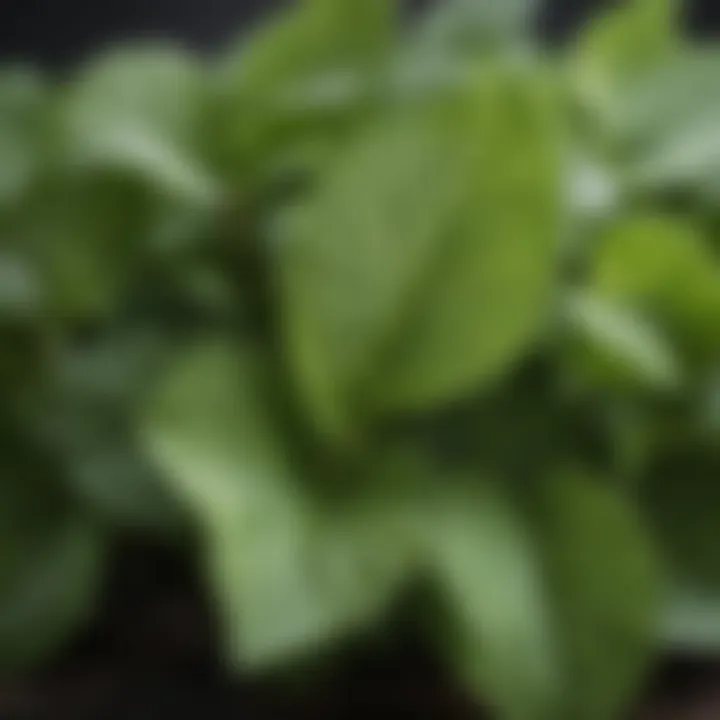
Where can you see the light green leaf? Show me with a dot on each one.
(612, 344)
(139, 110)
(606, 585)
(469, 27)
(290, 574)
(622, 44)
(498, 624)
(667, 124)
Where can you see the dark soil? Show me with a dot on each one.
(153, 654)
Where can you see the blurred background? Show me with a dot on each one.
(159, 658)
(62, 31)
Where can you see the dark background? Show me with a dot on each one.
(60, 31)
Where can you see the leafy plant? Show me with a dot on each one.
(368, 307)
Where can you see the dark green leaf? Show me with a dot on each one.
(604, 576)
(50, 565)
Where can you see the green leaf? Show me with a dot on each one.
(267, 91)
(399, 293)
(469, 27)
(86, 238)
(84, 414)
(353, 255)
(620, 46)
(489, 292)
(139, 111)
(497, 621)
(20, 293)
(50, 565)
(290, 574)
(610, 344)
(668, 124)
(604, 575)
(22, 102)
(663, 267)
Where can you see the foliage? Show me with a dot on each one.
(363, 308)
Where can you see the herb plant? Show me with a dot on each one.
(374, 311)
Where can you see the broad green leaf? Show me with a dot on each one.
(399, 293)
(606, 585)
(488, 293)
(139, 111)
(290, 573)
(497, 622)
(353, 256)
(50, 566)
(612, 344)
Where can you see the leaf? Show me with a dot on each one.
(621, 45)
(86, 238)
(290, 575)
(22, 102)
(611, 344)
(267, 87)
(84, 413)
(606, 585)
(139, 111)
(484, 562)
(668, 122)
(20, 292)
(399, 293)
(489, 292)
(664, 267)
(352, 256)
(50, 565)
(469, 27)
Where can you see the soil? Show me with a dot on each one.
(152, 653)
